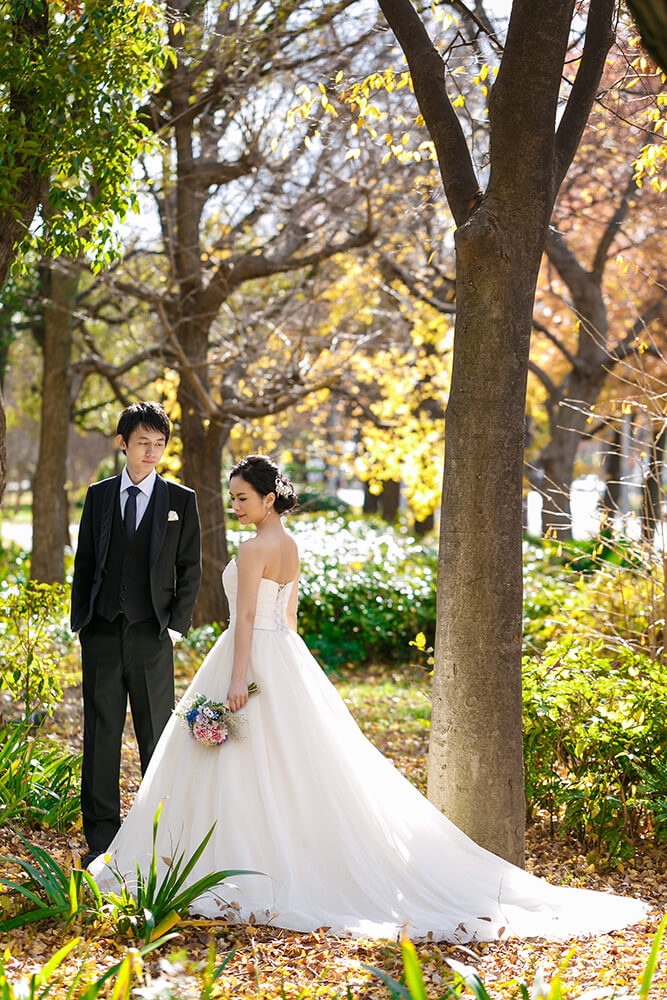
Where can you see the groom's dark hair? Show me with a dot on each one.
(148, 415)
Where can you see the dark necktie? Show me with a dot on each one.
(130, 517)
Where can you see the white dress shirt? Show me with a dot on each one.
(143, 498)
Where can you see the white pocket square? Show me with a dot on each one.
(172, 515)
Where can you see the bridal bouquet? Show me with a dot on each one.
(212, 723)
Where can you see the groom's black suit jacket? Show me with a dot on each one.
(174, 552)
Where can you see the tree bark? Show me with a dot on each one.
(49, 505)
(652, 493)
(612, 468)
(475, 757)
(476, 752)
(651, 19)
(202, 470)
(31, 29)
(3, 449)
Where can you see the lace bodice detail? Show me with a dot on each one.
(272, 600)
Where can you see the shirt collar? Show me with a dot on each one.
(146, 485)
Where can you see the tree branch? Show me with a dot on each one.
(231, 274)
(549, 385)
(598, 41)
(576, 277)
(557, 342)
(611, 231)
(203, 173)
(417, 287)
(628, 345)
(428, 77)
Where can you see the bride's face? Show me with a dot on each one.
(249, 506)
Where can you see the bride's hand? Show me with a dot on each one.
(237, 695)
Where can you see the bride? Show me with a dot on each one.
(342, 839)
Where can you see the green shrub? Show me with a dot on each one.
(595, 744)
(39, 779)
(34, 641)
(148, 909)
(14, 565)
(365, 590)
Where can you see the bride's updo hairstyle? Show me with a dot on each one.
(264, 476)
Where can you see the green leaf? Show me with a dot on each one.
(649, 971)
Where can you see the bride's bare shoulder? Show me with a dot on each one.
(251, 550)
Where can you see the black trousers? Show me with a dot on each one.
(119, 659)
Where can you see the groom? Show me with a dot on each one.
(136, 576)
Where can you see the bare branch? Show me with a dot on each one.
(630, 343)
(428, 76)
(611, 231)
(557, 342)
(548, 384)
(415, 285)
(598, 41)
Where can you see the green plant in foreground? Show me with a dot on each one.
(148, 909)
(151, 908)
(32, 668)
(51, 891)
(39, 779)
(466, 977)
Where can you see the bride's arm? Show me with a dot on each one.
(250, 565)
(292, 604)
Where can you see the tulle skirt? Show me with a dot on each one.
(342, 840)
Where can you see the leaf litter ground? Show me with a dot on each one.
(393, 710)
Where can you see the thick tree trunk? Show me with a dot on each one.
(476, 752)
(371, 501)
(559, 456)
(30, 28)
(652, 494)
(424, 526)
(202, 471)
(612, 470)
(49, 505)
(385, 503)
(3, 448)
(651, 19)
(475, 758)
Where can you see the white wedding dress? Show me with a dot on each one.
(343, 840)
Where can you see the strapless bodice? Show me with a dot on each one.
(272, 600)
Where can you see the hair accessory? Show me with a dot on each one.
(282, 489)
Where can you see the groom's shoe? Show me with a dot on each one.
(90, 857)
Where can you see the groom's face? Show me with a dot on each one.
(143, 450)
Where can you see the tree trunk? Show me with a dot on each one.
(49, 504)
(3, 449)
(371, 501)
(476, 752)
(202, 471)
(31, 27)
(612, 469)
(389, 500)
(651, 19)
(424, 526)
(651, 508)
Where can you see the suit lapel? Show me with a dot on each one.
(110, 499)
(160, 512)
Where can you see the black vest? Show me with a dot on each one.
(126, 585)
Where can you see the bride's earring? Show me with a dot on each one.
(258, 524)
